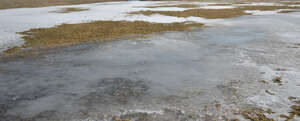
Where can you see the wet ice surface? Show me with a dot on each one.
(23, 19)
(207, 74)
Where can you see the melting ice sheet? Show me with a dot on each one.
(209, 72)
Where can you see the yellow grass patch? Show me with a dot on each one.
(266, 8)
(287, 11)
(205, 13)
(220, 4)
(176, 5)
(69, 10)
(291, 2)
(72, 34)
(216, 13)
(6, 4)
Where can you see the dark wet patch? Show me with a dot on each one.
(119, 90)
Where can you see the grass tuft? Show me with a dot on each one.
(69, 10)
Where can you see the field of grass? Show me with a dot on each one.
(215, 13)
(205, 13)
(176, 5)
(72, 34)
(6, 4)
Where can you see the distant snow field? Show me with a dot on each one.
(22, 19)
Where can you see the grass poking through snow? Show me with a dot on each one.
(69, 10)
(205, 13)
(176, 5)
(72, 34)
(216, 13)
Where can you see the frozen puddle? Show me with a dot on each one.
(208, 74)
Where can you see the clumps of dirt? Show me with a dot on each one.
(277, 80)
(73, 34)
(176, 5)
(295, 109)
(256, 114)
(69, 10)
(205, 13)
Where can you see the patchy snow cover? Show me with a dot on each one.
(260, 4)
(22, 19)
(258, 12)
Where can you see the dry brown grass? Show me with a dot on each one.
(291, 2)
(287, 11)
(256, 115)
(216, 13)
(6, 4)
(205, 13)
(267, 8)
(294, 111)
(220, 4)
(69, 10)
(72, 34)
(176, 5)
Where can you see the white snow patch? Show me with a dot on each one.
(218, 7)
(260, 4)
(165, 9)
(258, 12)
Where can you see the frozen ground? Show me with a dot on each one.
(208, 74)
(22, 19)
